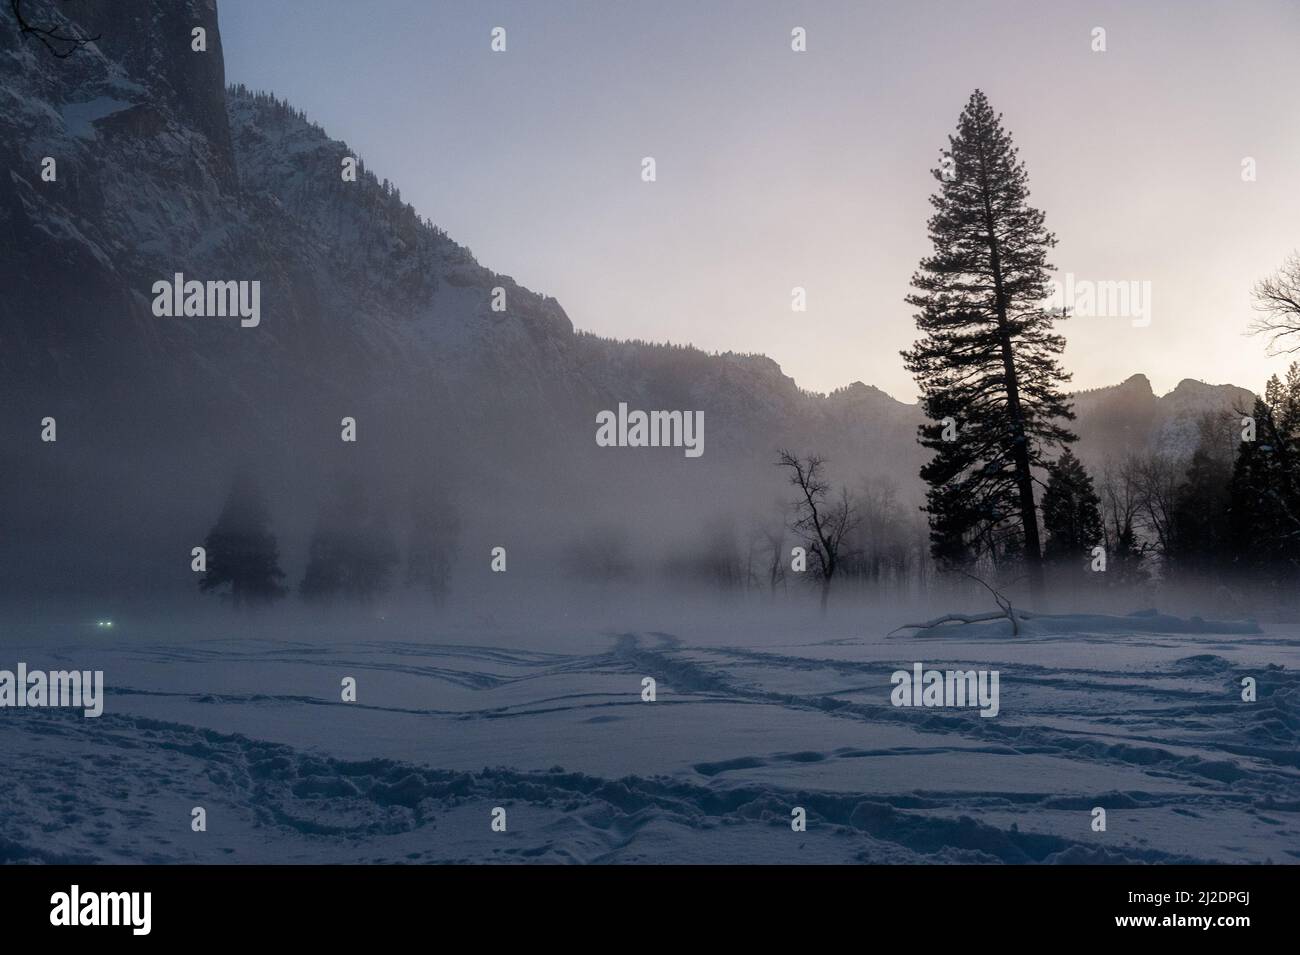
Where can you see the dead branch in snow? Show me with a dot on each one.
(1007, 611)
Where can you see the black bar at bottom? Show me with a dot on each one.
(299, 904)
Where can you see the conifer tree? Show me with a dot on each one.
(434, 536)
(352, 553)
(1201, 514)
(241, 550)
(1071, 511)
(1264, 493)
(989, 357)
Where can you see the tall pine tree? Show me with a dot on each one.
(988, 358)
(241, 550)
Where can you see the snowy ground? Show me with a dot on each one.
(551, 726)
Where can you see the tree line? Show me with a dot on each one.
(353, 553)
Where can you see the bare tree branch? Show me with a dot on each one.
(61, 45)
(1007, 611)
(1278, 299)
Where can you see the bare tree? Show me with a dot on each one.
(718, 559)
(1158, 477)
(775, 540)
(763, 556)
(881, 549)
(60, 44)
(1121, 511)
(821, 519)
(766, 559)
(1277, 298)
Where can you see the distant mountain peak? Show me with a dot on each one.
(1195, 386)
(1138, 382)
(858, 392)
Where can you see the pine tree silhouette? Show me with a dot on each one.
(241, 550)
(352, 553)
(1071, 511)
(988, 358)
(1202, 539)
(434, 538)
(1264, 492)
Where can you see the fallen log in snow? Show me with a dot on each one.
(1015, 616)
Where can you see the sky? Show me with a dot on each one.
(779, 169)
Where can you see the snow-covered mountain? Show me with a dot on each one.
(367, 310)
(1131, 417)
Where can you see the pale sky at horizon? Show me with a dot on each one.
(779, 169)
